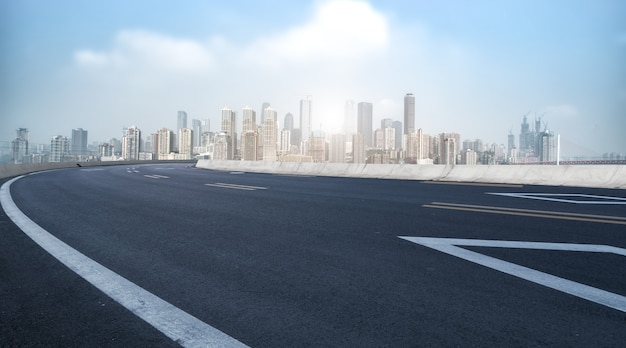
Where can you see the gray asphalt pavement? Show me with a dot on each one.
(284, 261)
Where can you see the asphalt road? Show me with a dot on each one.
(291, 261)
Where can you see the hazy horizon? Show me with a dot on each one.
(474, 68)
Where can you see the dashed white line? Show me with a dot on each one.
(450, 246)
(175, 323)
(565, 197)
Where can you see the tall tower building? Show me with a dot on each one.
(19, 146)
(358, 148)
(364, 122)
(79, 142)
(185, 142)
(131, 140)
(270, 134)
(249, 135)
(397, 126)
(164, 142)
(288, 124)
(228, 127)
(337, 148)
(264, 106)
(196, 127)
(305, 119)
(59, 148)
(547, 147)
(409, 113)
(182, 121)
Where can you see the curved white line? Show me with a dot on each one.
(175, 323)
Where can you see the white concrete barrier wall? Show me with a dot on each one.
(607, 176)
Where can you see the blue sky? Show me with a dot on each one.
(475, 67)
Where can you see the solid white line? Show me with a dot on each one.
(546, 197)
(242, 186)
(448, 246)
(175, 323)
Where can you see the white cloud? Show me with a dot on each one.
(139, 49)
(338, 30)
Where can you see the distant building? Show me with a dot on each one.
(547, 147)
(228, 127)
(358, 148)
(316, 147)
(131, 140)
(59, 148)
(165, 143)
(365, 122)
(288, 124)
(185, 142)
(449, 150)
(221, 148)
(337, 148)
(79, 142)
(196, 127)
(305, 119)
(270, 134)
(409, 113)
(19, 146)
(249, 145)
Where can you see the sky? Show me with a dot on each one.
(475, 67)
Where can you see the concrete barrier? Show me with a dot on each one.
(607, 176)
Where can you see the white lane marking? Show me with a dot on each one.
(450, 246)
(565, 197)
(237, 187)
(175, 323)
(156, 176)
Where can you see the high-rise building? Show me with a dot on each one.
(365, 122)
(249, 135)
(349, 118)
(547, 147)
(305, 119)
(270, 134)
(264, 106)
(285, 142)
(19, 146)
(182, 121)
(409, 113)
(288, 124)
(164, 142)
(337, 148)
(196, 127)
(249, 119)
(448, 153)
(397, 126)
(358, 148)
(131, 140)
(59, 148)
(185, 142)
(228, 127)
(79, 142)
(316, 147)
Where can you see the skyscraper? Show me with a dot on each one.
(19, 146)
(270, 134)
(337, 148)
(79, 142)
(228, 127)
(364, 122)
(182, 121)
(59, 148)
(196, 127)
(185, 142)
(409, 113)
(288, 124)
(131, 139)
(263, 107)
(249, 135)
(305, 119)
(397, 125)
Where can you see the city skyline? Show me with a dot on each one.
(472, 68)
